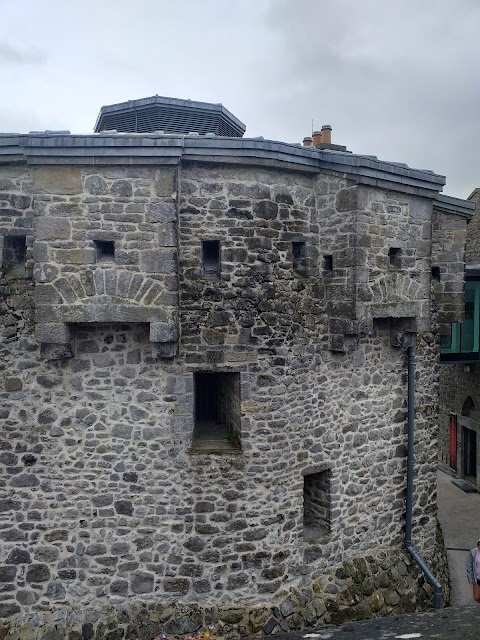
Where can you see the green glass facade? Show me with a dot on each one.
(464, 336)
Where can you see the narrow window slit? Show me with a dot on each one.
(299, 258)
(328, 264)
(436, 273)
(15, 251)
(316, 505)
(394, 254)
(211, 258)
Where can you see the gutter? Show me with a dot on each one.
(437, 587)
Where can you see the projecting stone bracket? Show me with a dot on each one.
(166, 350)
(49, 351)
(403, 320)
(343, 343)
(403, 332)
(164, 335)
(56, 338)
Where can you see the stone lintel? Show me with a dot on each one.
(411, 309)
(95, 312)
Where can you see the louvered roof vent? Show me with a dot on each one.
(169, 115)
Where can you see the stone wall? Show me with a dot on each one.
(102, 497)
(473, 236)
(384, 582)
(449, 234)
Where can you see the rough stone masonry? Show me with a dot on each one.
(203, 383)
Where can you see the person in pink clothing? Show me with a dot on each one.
(473, 571)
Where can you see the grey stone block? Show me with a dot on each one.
(41, 251)
(163, 332)
(50, 228)
(121, 188)
(56, 351)
(123, 431)
(167, 234)
(13, 384)
(96, 185)
(159, 261)
(57, 180)
(53, 333)
(160, 212)
(45, 272)
(165, 180)
(166, 350)
(142, 582)
(88, 282)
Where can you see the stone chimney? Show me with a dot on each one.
(307, 141)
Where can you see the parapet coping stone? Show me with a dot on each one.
(449, 204)
(39, 148)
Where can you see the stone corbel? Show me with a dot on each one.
(164, 336)
(55, 339)
(402, 332)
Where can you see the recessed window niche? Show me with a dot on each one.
(211, 258)
(316, 505)
(105, 250)
(14, 254)
(217, 412)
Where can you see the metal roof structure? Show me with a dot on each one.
(169, 115)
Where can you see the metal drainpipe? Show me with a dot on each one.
(437, 587)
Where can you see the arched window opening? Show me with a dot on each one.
(468, 407)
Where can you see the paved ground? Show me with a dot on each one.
(459, 515)
(459, 623)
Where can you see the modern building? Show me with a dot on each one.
(459, 443)
(204, 375)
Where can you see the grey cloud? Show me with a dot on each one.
(18, 121)
(394, 80)
(22, 56)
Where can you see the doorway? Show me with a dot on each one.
(469, 455)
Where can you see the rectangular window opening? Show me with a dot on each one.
(328, 264)
(211, 258)
(105, 250)
(14, 254)
(436, 273)
(394, 254)
(316, 505)
(299, 258)
(217, 412)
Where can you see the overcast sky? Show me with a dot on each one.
(396, 79)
